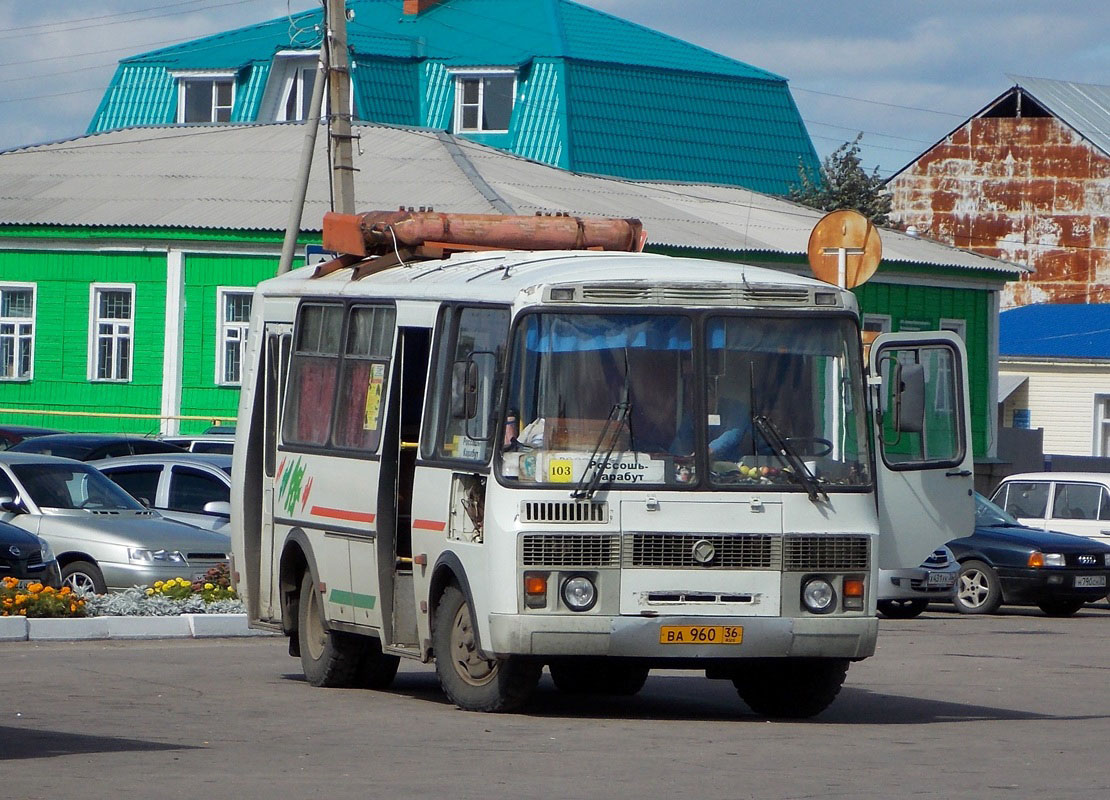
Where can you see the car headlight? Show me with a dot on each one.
(138, 555)
(1054, 559)
(46, 552)
(579, 593)
(819, 596)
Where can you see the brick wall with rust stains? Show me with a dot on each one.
(1029, 190)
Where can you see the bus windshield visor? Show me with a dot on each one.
(624, 395)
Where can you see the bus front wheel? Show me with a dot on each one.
(328, 658)
(471, 681)
(790, 688)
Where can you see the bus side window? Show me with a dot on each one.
(313, 373)
(469, 354)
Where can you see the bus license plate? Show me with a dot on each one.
(1090, 581)
(700, 634)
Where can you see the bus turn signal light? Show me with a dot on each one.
(853, 594)
(535, 589)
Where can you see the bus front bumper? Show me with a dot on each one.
(640, 637)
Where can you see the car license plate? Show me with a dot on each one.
(700, 634)
(1090, 581)
(940, 580)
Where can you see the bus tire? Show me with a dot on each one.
(377, 669)
(328, 658)
(598, 676)
(790, 688)
(471, 682)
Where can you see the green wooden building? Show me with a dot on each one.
(127, 258)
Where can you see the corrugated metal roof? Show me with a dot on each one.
(1055, 330)
(238, 177)
(1083, 106)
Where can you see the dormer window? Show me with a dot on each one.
(288, 92)
(205, 97)
(484, 100)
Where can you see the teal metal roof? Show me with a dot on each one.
(595, 93)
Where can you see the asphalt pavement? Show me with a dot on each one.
(1011, 706)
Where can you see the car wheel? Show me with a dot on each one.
(328, 658)
(84, 576)
(977, 589)
(790, 688)
(598, 676)
(471, 681)
(1060, 607)
(902, 609)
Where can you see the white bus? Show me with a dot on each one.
(597, 462)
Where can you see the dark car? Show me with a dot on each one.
(26, 557)
(14, 434)
(1007, 562)
(93, 446)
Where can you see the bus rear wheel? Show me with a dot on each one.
(598, 676)
(471, 681)
(790, 688)
(328, 658)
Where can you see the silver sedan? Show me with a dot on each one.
(103, 538)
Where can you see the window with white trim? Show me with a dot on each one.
(17, 331)
(878, 323)
(484, 101)
(234, 315)
(298, 93)
(957, 326)
(1102, 425)
(205, 98)
(112, 333)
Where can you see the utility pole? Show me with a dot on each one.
(339, 108)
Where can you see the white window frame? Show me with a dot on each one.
(286, 74)
(1100, 446)
(212, 78)
(226, 331)
(882, 321)
(478, 73)
(956, 326)
(95, 321)
(18, 334)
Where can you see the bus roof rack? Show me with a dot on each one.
(392, 238)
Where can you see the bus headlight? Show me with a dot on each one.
(579, 593)
(818, 596)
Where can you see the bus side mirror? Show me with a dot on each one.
(909, 398)
(479, 389)
(459, 377)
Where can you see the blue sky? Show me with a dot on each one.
(903, 73)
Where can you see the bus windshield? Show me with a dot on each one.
(650, 401)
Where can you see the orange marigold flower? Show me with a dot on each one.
(35, 588)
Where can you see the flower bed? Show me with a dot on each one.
(210, 595)
(35, 600)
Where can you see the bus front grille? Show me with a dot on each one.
(802, 553)
(701, 551)
(570, 550)
(536, 511)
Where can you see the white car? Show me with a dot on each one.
(1070, 502)
(189, 487)
(905, 593)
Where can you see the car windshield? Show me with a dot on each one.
(72, 486)
(987, 514)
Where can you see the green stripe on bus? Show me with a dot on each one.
(352, 599)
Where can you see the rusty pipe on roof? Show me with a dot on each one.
(380, 232)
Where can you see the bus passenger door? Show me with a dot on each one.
(922, 429)
(278, 342)
(395, 486)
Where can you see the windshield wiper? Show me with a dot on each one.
(785, 451)
(591, 476)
